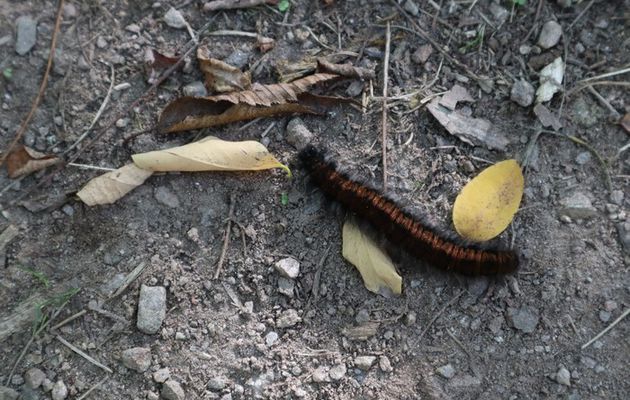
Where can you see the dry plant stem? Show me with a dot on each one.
(90, 390)
(226, 239)
(609, 327)
(580, 15)
(606, 75)
(82, 354)
(459, 343)
(384, 117)
(85, 166)
(437, 315)
(69, 319)
(604, 102)
(42, 87)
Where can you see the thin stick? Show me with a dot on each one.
(609, 327)
(42, 87)
(85, 166)
(459, 343)
(437, 315)
(90, 390)
(580, 15)
(384, 117)
(69, 319)
(82, 354)
(604, 102)
(226, 238)
(606, 75)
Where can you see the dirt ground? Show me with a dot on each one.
(251, 333)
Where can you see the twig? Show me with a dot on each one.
(82, 354)
(85, 166)
(609, 327)
(384, 117)
(318, 275)
(42, 87)
(538, 9)
(226, 238)
(437, 315)
(606, 75)
(128, 280)
(460, 344)
(69, 319)
(614, 113)
(90, 390)
(580, 15)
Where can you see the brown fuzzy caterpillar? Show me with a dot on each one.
(402, 228)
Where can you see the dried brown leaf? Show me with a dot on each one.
(24, 161)
(220, 76)
(156, 62)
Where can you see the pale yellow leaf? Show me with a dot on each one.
(109, 187)
(376, 268)
(487, 204)
(210, 154)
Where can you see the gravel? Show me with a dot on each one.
(217, 383)
(195, 89)
(172, 390)
(288, 319)
(288, 267)
(174, 19)
(137, 358)
(321, 374)
(364, 362)
(447, 371)
(577, 206)
(524, 319)
(34, 377)
(151, 308)
(26, 34)
(522, 93)
(59, 391)
(549, 35)
(337, 372)
(384, 364)
(563, 376)
(286, 286)
(161, 375)
(422, 54)
(271, 338)
(298, 135)
(7, 393)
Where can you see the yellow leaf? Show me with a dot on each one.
(210, 154)
(487, 204)
(376, 268)
(109, 187)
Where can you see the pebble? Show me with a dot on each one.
(47, 385)
(26, 34)
(563, 377)
(286, 286)
(137, 358)
(337, 372)
(34, 377)
(288, 267)
(362, 316)
(161, 375)
(321, 374)
(59, 391)
(69, 11)
(238, 58)
(447, 371)
(17, 380)
(610, 305)
(577, 206)
(410, 318)
(166, 196)
(298, 134)
(499, 13)
(122, 123)
(364, 362)
(583, 158)
(271, 338)
(288, 319)
(195, 89)
(172, 390)
(180, 336)
(522, 93)
(151, 308)
(6, 393)
(133, 28)
(588, 362)
(549, 35)
(354, 89)
(422, 54)
(524, 319)
(617, 197)
(101, 43)
(26, 393)
(604, 316)
(174, 19)
(217, 383)
(477, 286)
(411, 7)
(384, 364)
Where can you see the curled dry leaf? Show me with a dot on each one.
(220, 76)
(487, 204)
(210, 154)
(109, 187)
(24, 161)
(346, 70)
(376, 268)
(156, 62)
(188, 113)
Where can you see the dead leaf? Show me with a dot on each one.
(220, 76)
(625, 122)
(109, 187)
(24, 161)
(347, 70)
(210, 154)
(231, 4)
(376, 268)
(156, 62)
(487, 204)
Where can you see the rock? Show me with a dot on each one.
(59, 391)
(151, 308)
(499, 13)
(477, 286)
(174, 19)
(288, 319)
(384, 364)
(288, 267)
(524, 319)
(112, 285)
(623, 229)
(465, 381)
(133, 28)
(286, 286)
(410, 318)
(166, 196)
(364, 362)
(34, 377)
(137, 358)
(563, 376)
(610, 305)
(217, 383)
(411, 7)
(362, 316)
(616, 197)
(447, 371)
(69, 11)
(337, 372)
(577, 206)
(549, 35)
(298, 134)
(122, 123)
(584, 113)
(321, 374)
(354, 89)
(161, 375)
(271, 338)
(522, 93)
(583, 158)
(604, 316)
(26, 34)
(551, 77)
(26, 393)
(422, 54)
(238, 58)
(6, 393)
(172, 390)
(47, 385)
(195, 89)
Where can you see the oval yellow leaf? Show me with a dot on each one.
(210, 154)
(487, 204)
(109, 187)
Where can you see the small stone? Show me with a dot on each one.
(499, 13)
(422, 54)
(321, 374)
(133, 28)
(411, 7)
(26, 393)
(604, 316)
(195, 89)
(588, 362)
(26, 34)
(362, 316)
(69, 11)
(137, 358)
(47, 385)
(271, 338)
(34, 377)
(563, 376)
(172, 390)
(6, 393)
(549, 35)
(522, 93)
(288, 267)
(610, 305)
(161, 375)
(617, 197)
(217, 383)
(577, 206)
(447, 371)
(410, 318)
(286, 286)
(384, 364)
(151, 308)
(337, 372)
(524, 319)
(180, 336)
(59, 391)
(354, 89)
(298, 134)
(583, 158)
(524, 49)
(122, 86)
(238, 58)
(68, 210)
(122, 123)
(288, 319)
(174, 19)
(166, 196)
(364, 362)
(101, 43)
(17, 380)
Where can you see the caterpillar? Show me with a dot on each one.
(400, 227)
